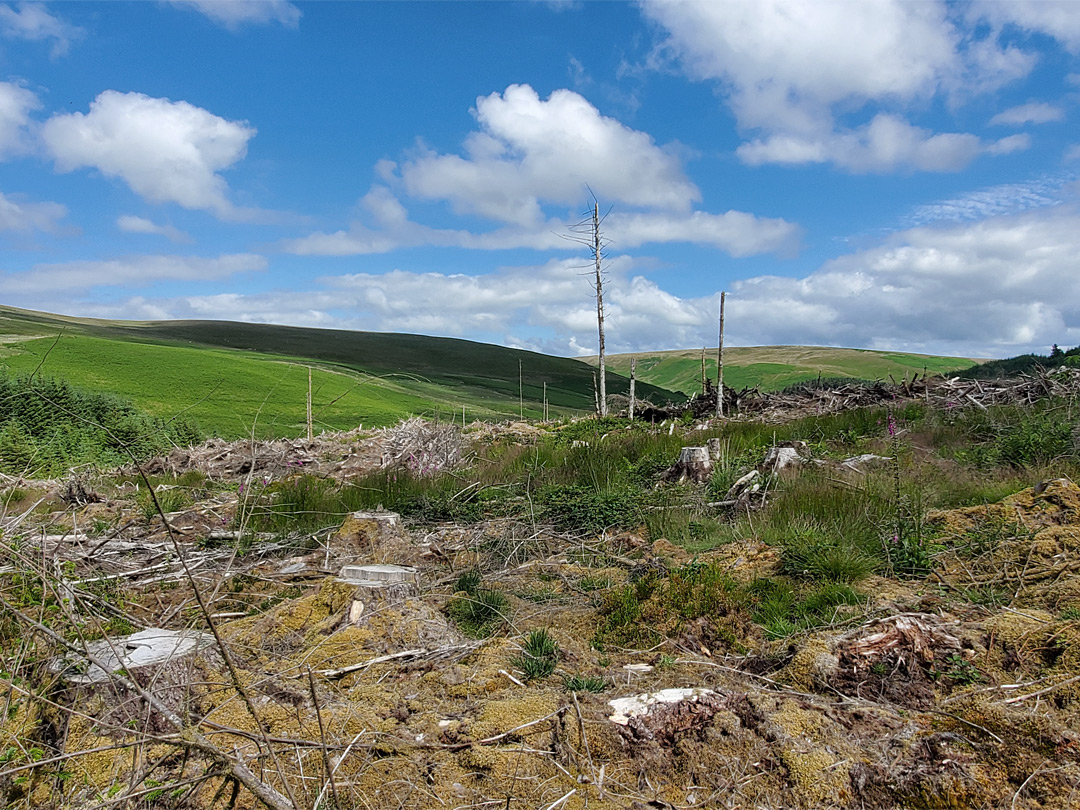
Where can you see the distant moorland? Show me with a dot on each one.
(772, 368)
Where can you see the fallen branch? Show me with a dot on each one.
(420, 654)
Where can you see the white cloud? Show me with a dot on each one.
(15, 105)
(17, 214)
(127, 271)
(886, 144)
(786, 63)
(33, 22)
(994, 201)
(1073, 152)
(1059, 19)
(133, 224)
(994, 288)
(530, 151)
(233, 14)
(166, 151)
(1034, 112)
(736, 232)
(789, 68)
(1009, 144)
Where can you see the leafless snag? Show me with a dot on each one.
(587, 232)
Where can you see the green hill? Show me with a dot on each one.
(1024, 364)
(234, 379)
(772, 368)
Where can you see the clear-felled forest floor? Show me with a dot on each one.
(585, 627)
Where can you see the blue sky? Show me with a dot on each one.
(875, 174)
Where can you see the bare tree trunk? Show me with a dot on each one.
(310, 432)
(596, 246)
(633, 379)
(720, 361)
(595, 394)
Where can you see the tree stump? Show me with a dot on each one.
(166, 663)
(378, 586)
(780, 458)
(693, 465)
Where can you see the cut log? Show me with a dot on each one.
(747, 484)
(857, 463)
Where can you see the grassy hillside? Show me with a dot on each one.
(774, 367)
(1024, 364)
(233, 378)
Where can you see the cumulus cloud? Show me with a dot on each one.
(17, 214)
(786, 63)
(33, 22)
(529, 151)
(127, 271)
(234, 14)
(1059, 19)
(996, 287)
(16, 103)
(736, 232)
(165, 151)
(1035, 112)
(789, 68)
(133, 224)
(886, 144)
(992, 288)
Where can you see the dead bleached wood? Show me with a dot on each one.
(442, 653)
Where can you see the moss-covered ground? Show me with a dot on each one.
(899, 633)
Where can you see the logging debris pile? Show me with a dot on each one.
(421, 446)
(812, 398)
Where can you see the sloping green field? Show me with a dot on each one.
(772, 368)
(234, 378)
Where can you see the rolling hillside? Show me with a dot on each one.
(234, 379)
(775, 367)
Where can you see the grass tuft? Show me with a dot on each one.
(584, 683)
(478, 612)
(539, 655)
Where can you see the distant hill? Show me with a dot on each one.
(235, 378)
(1022, 364)
(772, 368)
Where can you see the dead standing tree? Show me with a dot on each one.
(587, 232)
